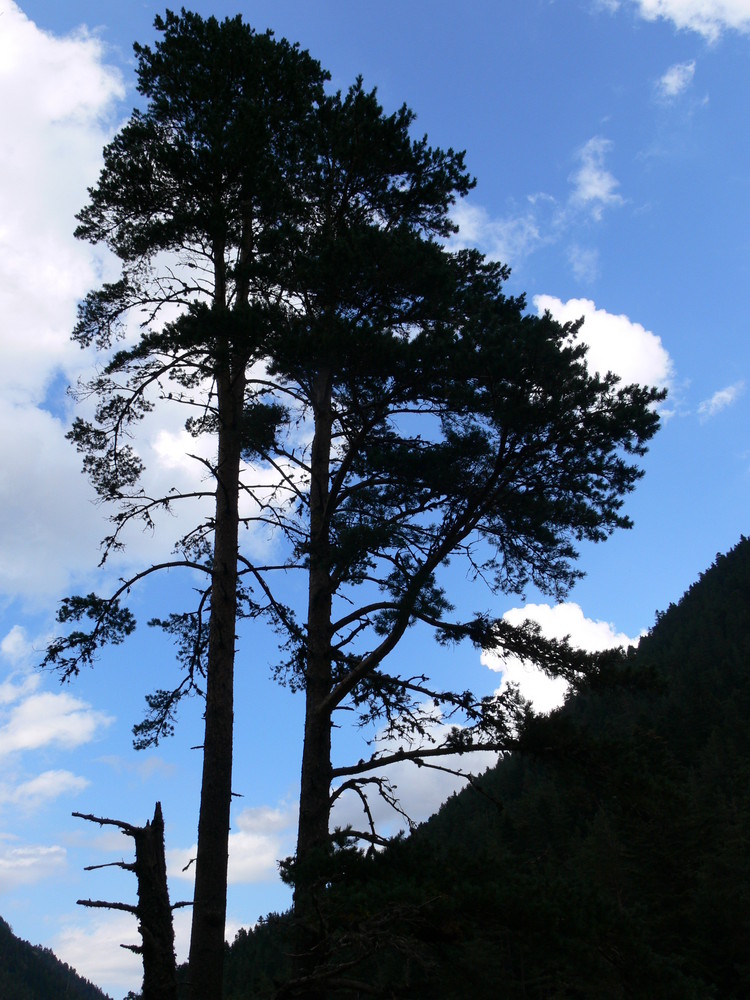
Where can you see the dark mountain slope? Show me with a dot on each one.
(611, 859)
(28, 972)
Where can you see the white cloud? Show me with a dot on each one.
(47, 719)
(544, 693)
(260, 837)
(56, 101)
(546, 220)
(500, 239)
(29, 864)
(595, 188)
(45, 787)
(173, 451)
(92, 947)
(50, 529)
(11, 691)
(15, 646)
(557, 622)
(720, 400)
(55, 98)
(90, 942)
(615, 343)
(676, 79)
(706, 17)
(264, 819)
(16, 649)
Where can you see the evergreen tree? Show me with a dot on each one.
(198, 198)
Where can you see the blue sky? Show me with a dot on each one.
(610, 144)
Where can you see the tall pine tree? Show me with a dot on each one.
(199, 198)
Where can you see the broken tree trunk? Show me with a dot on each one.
(153, 910)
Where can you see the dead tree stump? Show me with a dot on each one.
(153, 910)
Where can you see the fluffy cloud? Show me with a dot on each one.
(15, 646)
(615, 343)
(557, 622)
(45, 787)
(594, 187)
(18, 651)
(29, 864)
(56, 101)
(92, 947)
(259, 837)
(90, 943)
(47, 719)
(707, 17)
(12, 690)
(676, 79)
(720, 400)
(50, 529)
(501, 239)
(31, 719)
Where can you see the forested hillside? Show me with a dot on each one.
(28, 972)
(610, 859)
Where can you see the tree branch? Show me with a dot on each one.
(417, 756)
(126, 907)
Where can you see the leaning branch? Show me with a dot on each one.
(417, 756)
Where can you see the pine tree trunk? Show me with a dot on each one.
(206, 961)
(313, 839)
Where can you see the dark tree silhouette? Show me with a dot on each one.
(198, 198)
(153, 909)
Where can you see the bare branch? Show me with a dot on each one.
(126, 865)
(126, 828)
(126, 907)
(417, 756)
